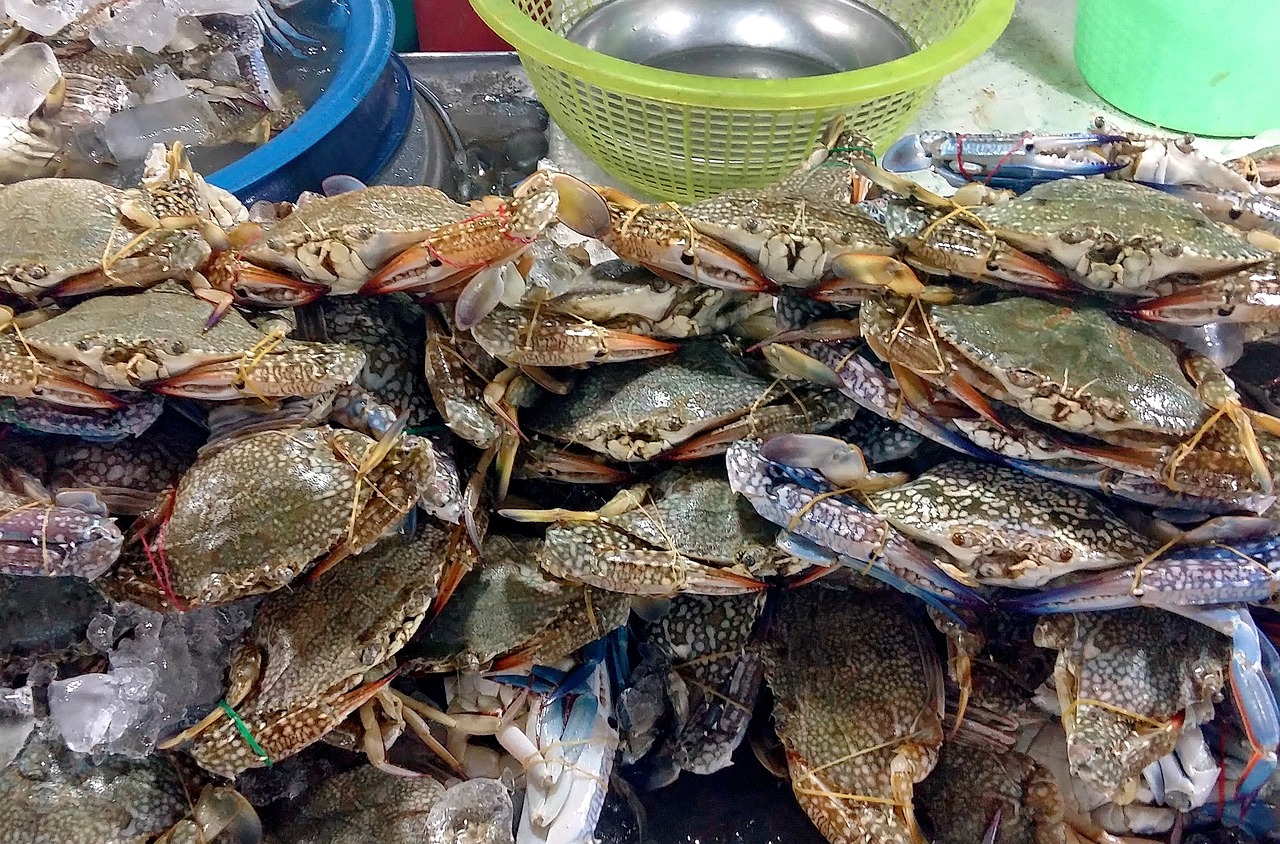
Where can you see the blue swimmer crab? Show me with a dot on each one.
(861, 725)
(687, 532)
(255, 511)
(313, 657)
(396, 239)
(1209, 584)
(159, 340)
(796, 232)
(827, 524)
(1082, 373)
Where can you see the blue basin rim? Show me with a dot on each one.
(360, 146)
(368, 32)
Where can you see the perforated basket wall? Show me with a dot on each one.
(683, 137)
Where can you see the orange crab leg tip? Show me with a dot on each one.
(811, 576)
(622, 345)
(580, 206)
(449, 580)
(81, 285)
(361, 695)
(724, 582)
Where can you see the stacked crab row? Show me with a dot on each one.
(960, 418)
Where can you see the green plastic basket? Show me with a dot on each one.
(1204, 66)
(680, 136)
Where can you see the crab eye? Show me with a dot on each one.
(686, 258)
(1065, 555)
(1023, 378)
(959, 539)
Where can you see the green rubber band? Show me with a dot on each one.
(244, 732)
(833, 163)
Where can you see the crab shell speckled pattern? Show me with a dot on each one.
(310, 647)
(58, 229)
(254, 512)
(855, 722)
(1076, 369)
(158, 340)
(52, 539)
(633, 411)
(1122, 677)
(1116, 236)
(1008, 528)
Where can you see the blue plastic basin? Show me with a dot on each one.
(355, 126)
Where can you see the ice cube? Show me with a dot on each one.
(14, 730)
(160, 84)
(45, 17)
(27, 74)
(148, 24)
(102, 632)
(130, 133)
(90, 710)
(477, 811)
(188, 35)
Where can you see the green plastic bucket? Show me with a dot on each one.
(1208, 67)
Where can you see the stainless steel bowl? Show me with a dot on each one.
(745, 39)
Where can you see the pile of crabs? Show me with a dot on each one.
(963, 509)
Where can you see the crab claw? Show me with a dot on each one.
(68, 392)
(707, 263)
(1015, 267)
(857, 274)
(907, 155)
(582, 207)
(564, 465)
(418, 269)
(1251, 295)
(255, 286)
(622, 346)
(840, 462)
(1184, 577)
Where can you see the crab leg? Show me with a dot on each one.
(1184, 577)
(1030, 156)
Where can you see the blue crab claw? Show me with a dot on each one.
(580, 206)
(281, 34)
(1248, 296)
(1184, 577)
(1255, 683)
(907, 155)
(479, 297)
(857, 538)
